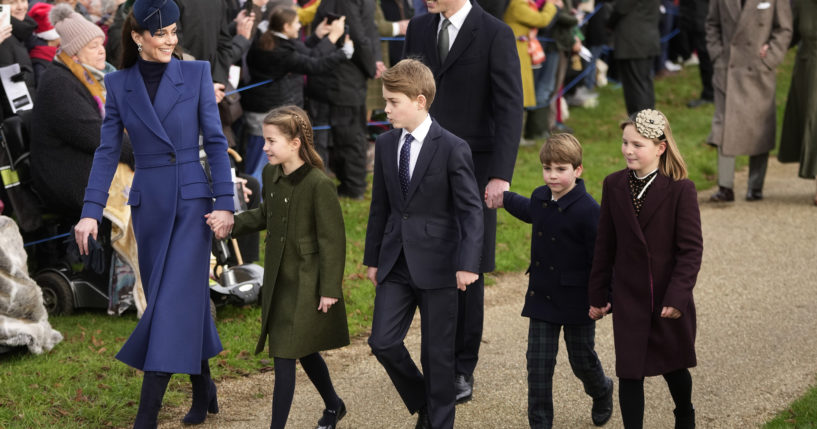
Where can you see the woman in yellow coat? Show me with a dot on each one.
(522, 18)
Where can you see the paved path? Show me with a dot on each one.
(757, 348)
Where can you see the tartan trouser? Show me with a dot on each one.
(543, 345)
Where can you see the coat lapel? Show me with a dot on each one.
(745, 16)
(625, 205)
(465, 36)
(656, 194)
(170, 89)
(139, 102)
(430, 39)
(390, 169)
(734, 9)
(424, 158)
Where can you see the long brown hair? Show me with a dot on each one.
(280, 15)
(293, 123)
(130, 52)
(671, 163)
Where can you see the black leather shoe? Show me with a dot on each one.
(603, 406)
(423, 421)
(331, 418)
(724, 195)
(464, 386)
(684, 419)
(698, 103)
(754, 195)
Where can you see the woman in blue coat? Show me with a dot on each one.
(165, 104)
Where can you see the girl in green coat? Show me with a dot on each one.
(302, 300)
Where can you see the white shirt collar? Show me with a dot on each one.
(420, 132)
(281, 35)
(458, 18)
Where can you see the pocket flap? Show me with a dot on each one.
(307, 246)
(441, 231)
(196, 190)
(134, 198)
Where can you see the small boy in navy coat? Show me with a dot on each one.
(565, 219)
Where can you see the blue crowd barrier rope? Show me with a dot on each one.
(31, 243)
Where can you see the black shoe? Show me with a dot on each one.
(684, 419)
(754, 195)
(724, 195)
(154, 385)
(698, 103)
(464, 386)
(423, 421)
(205, 397)
(331, 418)
(603, 406)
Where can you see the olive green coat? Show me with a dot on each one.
(305, 256)
(798, 141)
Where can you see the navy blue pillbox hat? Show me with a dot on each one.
(155, 14)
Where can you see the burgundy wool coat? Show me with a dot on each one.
(644, 263)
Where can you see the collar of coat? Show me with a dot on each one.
(575, 194)
(293, 178)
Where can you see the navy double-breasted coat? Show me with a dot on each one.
(561, 253)
(648, 262)
(169, 197)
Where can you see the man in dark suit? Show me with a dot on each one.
(637, 42)
(479, 99)
(423, 242)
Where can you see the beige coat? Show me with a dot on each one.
(744, 120)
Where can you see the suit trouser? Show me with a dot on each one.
(543, 346)
(637, 82)
(396, 299)
(757, 170)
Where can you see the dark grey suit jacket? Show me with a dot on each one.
(438, 225)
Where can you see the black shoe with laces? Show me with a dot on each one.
(603, 406)
(331, 418)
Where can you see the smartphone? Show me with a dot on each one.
(5, 15)
(330, 17)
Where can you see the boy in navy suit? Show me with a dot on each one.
(423, 242)
(565, 219)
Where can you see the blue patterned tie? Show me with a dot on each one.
(405, 160)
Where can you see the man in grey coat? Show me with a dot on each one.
(747, 40)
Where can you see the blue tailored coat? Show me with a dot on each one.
(169, 197)
(561, 252)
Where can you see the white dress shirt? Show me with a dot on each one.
(419, 135)
(457, 20)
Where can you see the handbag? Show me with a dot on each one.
(229, 110)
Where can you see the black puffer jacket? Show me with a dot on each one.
(14, 50)
(287, 63)
(64, 135)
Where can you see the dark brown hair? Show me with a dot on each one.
(130, 52)
(280, 15)
(561, 149)
(411, 77)
(293, 123)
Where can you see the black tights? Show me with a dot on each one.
(631, 396)
(284, 388)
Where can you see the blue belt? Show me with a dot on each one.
(163, 159)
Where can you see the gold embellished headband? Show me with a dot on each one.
(650, 124)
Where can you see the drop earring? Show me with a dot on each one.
(139, 47)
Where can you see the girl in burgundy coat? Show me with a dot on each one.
(647, 257)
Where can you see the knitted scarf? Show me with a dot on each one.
(92, 83)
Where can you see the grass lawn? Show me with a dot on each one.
(80, 384)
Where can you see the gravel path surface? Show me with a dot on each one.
(757, 348)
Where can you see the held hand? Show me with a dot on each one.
(219, 90)
(223, 222)
(465, 278)
(371, 274)
(670, 313)
(326, 303)
(493, 192)
(85, 227)
(597, 313)
(380, 67)
(402, 26)
(764, 50)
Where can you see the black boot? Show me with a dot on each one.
(154, 385)
(204, 397)
(684, 419)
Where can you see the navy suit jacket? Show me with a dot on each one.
(479, 87)
(561, 252)
(438, 225)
